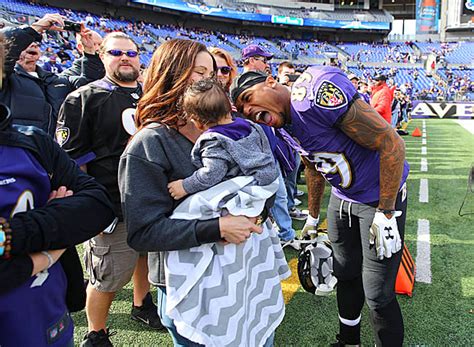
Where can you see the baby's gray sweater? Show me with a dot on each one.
(219, 157)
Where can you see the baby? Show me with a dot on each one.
(227, 147)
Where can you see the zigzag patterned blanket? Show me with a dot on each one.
(227, 295)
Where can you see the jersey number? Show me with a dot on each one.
(334, 163)
(24, 203)
(128, 120)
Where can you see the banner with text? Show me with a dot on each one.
(423, 109)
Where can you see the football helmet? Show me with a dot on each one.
(315, 265)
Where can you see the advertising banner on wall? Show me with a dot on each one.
(422, 109)
(427, 16)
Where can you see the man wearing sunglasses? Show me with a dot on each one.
(255, 58)
(94, 126)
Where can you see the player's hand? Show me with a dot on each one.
(310, 228)
(176, 189)
(50, 21)
(384, 235)
(62, 192)
(237, 229)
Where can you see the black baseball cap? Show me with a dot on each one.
(245, 81)
(380, 78)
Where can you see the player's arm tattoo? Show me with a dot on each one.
(366, 127)
(315, 183)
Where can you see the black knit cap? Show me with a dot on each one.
(245, 81)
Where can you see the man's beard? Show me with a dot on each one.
(129, 76)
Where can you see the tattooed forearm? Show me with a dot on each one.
(315, 183)
(366, 127)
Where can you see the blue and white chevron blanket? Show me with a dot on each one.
(225, 294)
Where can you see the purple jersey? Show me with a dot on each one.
(34, 314)
(319, 99)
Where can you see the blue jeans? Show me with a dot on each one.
(280, 211)
(178, 340)
(290, 183)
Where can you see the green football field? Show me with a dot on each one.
(438, 314)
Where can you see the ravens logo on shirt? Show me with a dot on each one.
(330, 96)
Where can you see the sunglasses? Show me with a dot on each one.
(225, 70)
(119, 53)
(262, 59)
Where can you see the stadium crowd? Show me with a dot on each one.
(191, 121)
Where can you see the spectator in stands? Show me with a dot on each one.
(382, 98)
(63, 55)
(226, 69)
(52, 65)
(144, 175)
(354, 80)
(255, 58)
(94, 126)
(364, 91)
(33, 94)
(285, 69)
(363, 158)
(47, 207)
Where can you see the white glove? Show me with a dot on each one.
(384, 235)
(310, 228)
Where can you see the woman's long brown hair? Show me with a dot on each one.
(166, 80)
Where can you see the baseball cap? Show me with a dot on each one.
(253, 50)
(380, 78)
(352, 76)
(245, 81)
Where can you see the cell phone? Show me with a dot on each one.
(72, 26)
(110, 229)
(293, 77)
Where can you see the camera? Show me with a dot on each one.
(72, 26)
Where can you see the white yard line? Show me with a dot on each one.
(423, 252)
(424, 165)
(423, 141)
(424, 150)
(423, 190)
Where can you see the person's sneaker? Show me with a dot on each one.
(297, 214)
(98, 339)
(299, 193)
(147, 313)
(297, 202)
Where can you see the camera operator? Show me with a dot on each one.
(34, 95)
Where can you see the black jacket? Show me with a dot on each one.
(62, 223)
(36, 100)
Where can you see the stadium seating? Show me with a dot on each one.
(373, 56)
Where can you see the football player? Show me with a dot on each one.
(343, 140)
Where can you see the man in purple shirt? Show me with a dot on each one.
(344, 140)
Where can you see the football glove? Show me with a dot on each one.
(310, 228)
(384, 235)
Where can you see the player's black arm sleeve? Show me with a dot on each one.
(63, 222)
